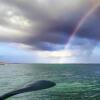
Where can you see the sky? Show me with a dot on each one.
(49, 31)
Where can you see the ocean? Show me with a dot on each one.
(73, 81)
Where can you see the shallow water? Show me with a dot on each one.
(74, 82)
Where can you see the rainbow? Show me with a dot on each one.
(79, 25)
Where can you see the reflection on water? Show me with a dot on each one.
(74, 82)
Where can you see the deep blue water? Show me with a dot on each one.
(74, 81)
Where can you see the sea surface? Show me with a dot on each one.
(73, 81)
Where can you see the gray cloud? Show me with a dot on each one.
(52, 23)
(84, 46)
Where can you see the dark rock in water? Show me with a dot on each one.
(39, 85)
(43, 84)
(2, 99)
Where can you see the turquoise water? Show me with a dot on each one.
(74, 81)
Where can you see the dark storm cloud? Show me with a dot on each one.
(91, 27)
(57, 38)
(85, 46)
(55, 27)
